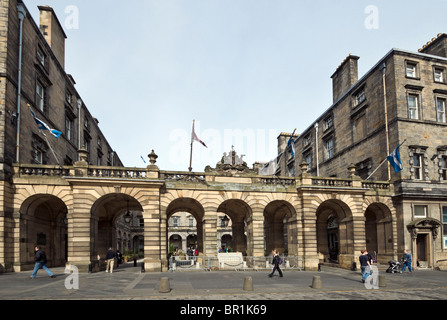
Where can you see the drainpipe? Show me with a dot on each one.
(79, 127)
(316, 146)
(22, 14)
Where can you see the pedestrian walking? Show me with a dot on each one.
(365, 265)
(110, 260)
(276, 261)
(407, 261)
(119, 258)
(40, 260)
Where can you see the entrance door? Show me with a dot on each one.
(421, 246)
(333, 245)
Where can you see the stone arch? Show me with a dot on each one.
(334, 231)
(239, 213)
(105, 213)
(43, 221)
(379, 235)
(191, 206)
(277, 217)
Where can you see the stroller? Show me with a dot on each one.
(394, 267)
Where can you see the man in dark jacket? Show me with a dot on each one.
(275, 264)
(110, 259)
(40, 260)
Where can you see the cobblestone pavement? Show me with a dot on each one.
(131, 284)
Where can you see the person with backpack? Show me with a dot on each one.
(276, 262)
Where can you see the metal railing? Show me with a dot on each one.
(247, 263)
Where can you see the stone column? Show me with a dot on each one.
(79, 235)
(152, 248)
(255, 235)
(210, 232)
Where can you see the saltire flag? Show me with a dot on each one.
(43, 126)
(194, 137)
(291, 144)
(394, 159)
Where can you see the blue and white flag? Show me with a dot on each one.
(291, 144)
(43, 126)
(394, 159)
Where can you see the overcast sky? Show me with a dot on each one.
(245, 70)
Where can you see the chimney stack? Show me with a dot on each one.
(345, 76)
(53, 32)
(437, 46)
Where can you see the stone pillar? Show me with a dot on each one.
(9, 230)
(310, 250)
(154, 225)
(255, 235)
(152, 249)
(79, 235)
(209, 225)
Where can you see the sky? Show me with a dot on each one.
(243, 70)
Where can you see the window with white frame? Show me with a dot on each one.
(329, 148)
(40, 96)
(41, 56)
(328, 123)
(443, 168)
(307, 140)
(359, 97)
(411, 69)
(418, 166)
(308, 159)
(440, 109)
(413, 106)
(439, 74)
(419, 211)
(69, 126)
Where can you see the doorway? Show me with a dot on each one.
(421, 247)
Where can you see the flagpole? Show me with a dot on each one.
(48, 142)
(190, 156)
(384, 162)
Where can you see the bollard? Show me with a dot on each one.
(319, 267)
(248, 284)
(382, 281)
(165, 286)
(142, 267)
(354, 266)
(316, 282)
(134, 262)
(90, 268)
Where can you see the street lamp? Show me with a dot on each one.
(127, 216)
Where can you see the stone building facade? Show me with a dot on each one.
(33, 78)
(401, 100)
(42, 85)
